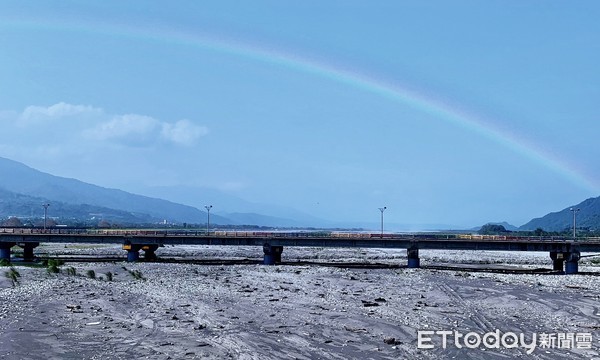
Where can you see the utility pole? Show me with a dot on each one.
(208, 207)
(45, 214)
(382, 210)
(574, 211)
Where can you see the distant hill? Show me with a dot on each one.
(29, 207)
(18, 179)
(588, 217)
(506, 226)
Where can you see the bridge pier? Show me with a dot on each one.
(133, 255)
(272, 254)
(133, 252)
(5, 250)
(572, 266)
(413, 258)
(28, 250)
(149, 252)
(558, 261)
(570, 258)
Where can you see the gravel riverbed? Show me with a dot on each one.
(173, 311)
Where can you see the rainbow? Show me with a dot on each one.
(392, 91)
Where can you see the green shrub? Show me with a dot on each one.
(13, 275)
(137, 274)
(4, 262)
(109, 276)
(91, 274)
(55, 262)
(71, 271)
(53, 265)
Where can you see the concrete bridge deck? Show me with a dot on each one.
(561, 249)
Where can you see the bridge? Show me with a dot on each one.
(561, 249)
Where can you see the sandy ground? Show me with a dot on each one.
(289, 311)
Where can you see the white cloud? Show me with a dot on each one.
(136, 129)
(140, 130)
(35, 114)
(63, 122)
(65, 134)
(183, 132)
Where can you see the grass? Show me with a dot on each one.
(91, 274)
(71, 271)
(52, 262)
(109, 276)
(135, 273)
(53, 269)
(13, 275)
(53, 265)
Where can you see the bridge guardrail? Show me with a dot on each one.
(285, 234)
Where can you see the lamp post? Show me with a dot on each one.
(574, 211)
(382, 210)
(208, 207)
(45, 214)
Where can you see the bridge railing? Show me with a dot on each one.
(284, 234)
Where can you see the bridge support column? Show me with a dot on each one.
(149, 252)
(272, 254)
(413, 258)
(5, 251)
(572, 266)
(558, 261)
(28, 250)
(133, 252)
(133, 255)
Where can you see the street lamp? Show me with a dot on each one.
(574, 210)
(45, 214)
(382, 210)
(208, 207)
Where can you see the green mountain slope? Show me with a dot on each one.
(20, 179)
(588, 217)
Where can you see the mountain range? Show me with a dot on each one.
(23, 190)
(587, 217)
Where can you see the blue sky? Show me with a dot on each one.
(451, 113)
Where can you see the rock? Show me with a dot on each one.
(369, 303)
(351, 329)
(391, 341)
